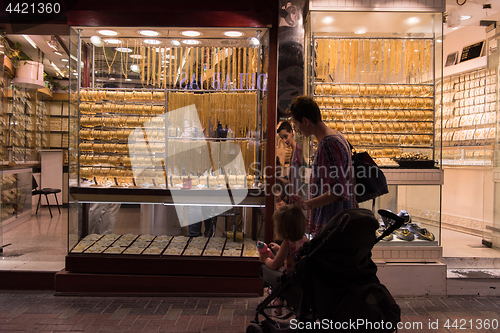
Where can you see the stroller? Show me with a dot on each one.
(334, 286)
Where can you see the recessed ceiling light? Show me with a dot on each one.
(327, 20)
(360, 31)
(30, 41)
(233, 33)
(134, 68)
(439, 41)
(412, 20)
(128, 80)
(65, 60)
(112, 79)
(454, 28)
(108, 32)
(152, 41)
(136, 56)
(113, 41)
(149, 33)
(176, 42)
(465, 17)
(123, 49)
(191, 42)
(58, 53)
(190, 33)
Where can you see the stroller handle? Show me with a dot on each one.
(397, 222)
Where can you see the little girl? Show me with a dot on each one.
(290, 225)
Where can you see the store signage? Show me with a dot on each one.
(246, 81)
(472, 51)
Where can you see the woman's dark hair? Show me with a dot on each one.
(285, 126)
(305, 107)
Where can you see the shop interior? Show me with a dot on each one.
(455, 212)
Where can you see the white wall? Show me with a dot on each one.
(456, 40)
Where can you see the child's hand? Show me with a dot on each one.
(264, 256)
(274, 247)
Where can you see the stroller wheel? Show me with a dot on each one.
(254, 328)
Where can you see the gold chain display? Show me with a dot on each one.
(393, 112)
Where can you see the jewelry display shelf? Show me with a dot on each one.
(398, 176)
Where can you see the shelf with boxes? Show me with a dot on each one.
(469, 118)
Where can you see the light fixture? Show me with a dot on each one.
(190, 33)
(96, 40)
(30, 41)
(233, 33)
(64, 59)
(128, 80)
(152, 41)
(58, 53)
(149, 33)
(253, 42)
(454, 28)
(439, 40)
(360, 31)
(412, 20)
(176, 42)
(113, 41)
(112, 79)
(123, 49)
(328, 20)
(134, 68)
(191, 41)
(57, 69)
(108, 32)
(135, 56)
(465, 17)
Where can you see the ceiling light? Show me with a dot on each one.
(112, 79)
(152, 41)
(30, 41)
(128, 80)
(108, 32)
(135, 56)
(454, 28)
(465, 17)
(149, 33)
(57, 69)
(123, 49)
(190, 33)
(58, 53)
(233, 34)
(176, 43)
(64, 59)
(96, 40)
(360, 31)
(113, 41)
(191, 42)
(327, 20)
(412, 20)
(439, 41)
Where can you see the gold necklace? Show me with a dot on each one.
(124, 71)
(106, 58)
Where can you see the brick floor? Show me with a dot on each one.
(41, 311)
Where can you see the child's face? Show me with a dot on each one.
(287, 137)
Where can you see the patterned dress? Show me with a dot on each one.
(295, 166)
(331, 171)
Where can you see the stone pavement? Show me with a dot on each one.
(41, 311)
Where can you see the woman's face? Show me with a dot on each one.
(287, 137)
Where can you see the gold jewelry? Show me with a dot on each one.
(106, 58)
(124, 71)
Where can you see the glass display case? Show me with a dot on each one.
(375, 83)
(469, 118)
(167, 151)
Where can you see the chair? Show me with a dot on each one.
(44, 191)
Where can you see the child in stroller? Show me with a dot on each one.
(290, 224)
(334, 286)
